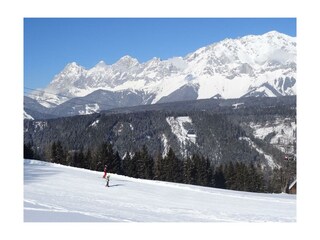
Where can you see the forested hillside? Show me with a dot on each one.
(190, 142)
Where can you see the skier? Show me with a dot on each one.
(105, 171)
(108, 179)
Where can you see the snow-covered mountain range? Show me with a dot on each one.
(254, 65)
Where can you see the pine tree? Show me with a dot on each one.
(53, 152)
(79, 158)
(145, 164)
(60, 157)
(110, 158)
(278, 181)
(256, 183)
(219, 178)
(69, 158)
(173, 167)
(28, 152)
(63, 159)
(87, 159)
(126, 164)
(211, 180)
(209, 173)
(201, 171)
(159, 172)
(93, 163)
(139, 164)
(133, 169)
(57, 154)
(230, 175)
(189, 171)
(105, 156)
(75, 158)
(117, 163)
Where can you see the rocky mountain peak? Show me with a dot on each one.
(249, 61)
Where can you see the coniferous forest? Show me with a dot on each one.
(142, 143)
(195, 169)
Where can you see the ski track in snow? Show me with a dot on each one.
(56, 193)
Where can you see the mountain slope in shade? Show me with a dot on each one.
(215, 128)
(254, 65)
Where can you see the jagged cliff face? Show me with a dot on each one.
(255, 65)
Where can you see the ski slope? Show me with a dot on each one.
(56, 193)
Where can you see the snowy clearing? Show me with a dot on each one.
(178, 128)
(165, 144)
(284, 132)
(56, 193)
(90, 108)
(269, 158)
(95, 123)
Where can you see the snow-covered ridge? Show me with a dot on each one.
(56, 193)
(27, 116)
(232, 68)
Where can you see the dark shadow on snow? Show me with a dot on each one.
(35, 172)
(116, 185)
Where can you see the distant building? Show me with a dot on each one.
(293, 187)
(192, 135)
(191, 132)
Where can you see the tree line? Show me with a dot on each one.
(195, 169)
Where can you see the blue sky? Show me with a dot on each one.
(51, 43)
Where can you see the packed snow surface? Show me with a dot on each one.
(56, 193)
